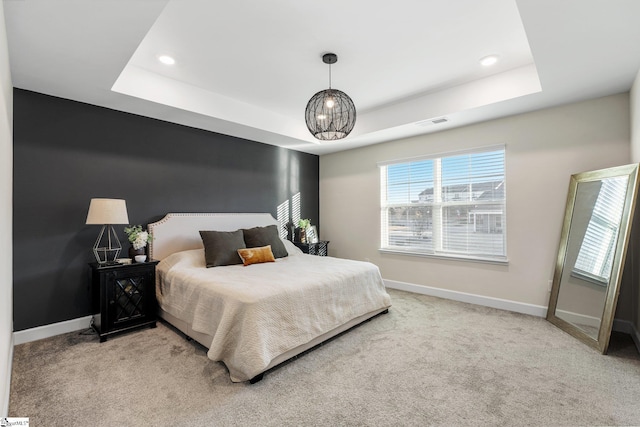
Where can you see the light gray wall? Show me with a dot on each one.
(634, 249)
(634, 103)
(6, 173)
(543, 149)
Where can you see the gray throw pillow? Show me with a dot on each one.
(221, 247)
(263, 236)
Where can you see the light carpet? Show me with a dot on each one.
(428, 361)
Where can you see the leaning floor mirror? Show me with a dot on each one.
(593, 246)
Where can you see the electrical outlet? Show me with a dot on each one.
(550, 285)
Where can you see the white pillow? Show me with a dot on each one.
(291, 248)
(190, 258)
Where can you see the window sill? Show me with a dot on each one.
(591, 278)
(499, 261)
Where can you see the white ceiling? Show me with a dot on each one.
(247, 68)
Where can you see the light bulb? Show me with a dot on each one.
(330, 103)
(321, 117)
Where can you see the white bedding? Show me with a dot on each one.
(258, 312)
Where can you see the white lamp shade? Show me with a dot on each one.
(107, 211)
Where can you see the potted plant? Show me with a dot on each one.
(138, 239)
(300, 233)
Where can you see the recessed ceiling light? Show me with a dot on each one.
(489, 60)
(166, 59)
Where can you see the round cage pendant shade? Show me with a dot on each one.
(330, 113)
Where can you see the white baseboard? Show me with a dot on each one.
(54, 329)
(502, 304)
(535, 310)
(579, 319)
(73, 325)
(4, 410)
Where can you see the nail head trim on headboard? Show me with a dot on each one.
(181, 231)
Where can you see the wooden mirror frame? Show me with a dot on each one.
(613, 287)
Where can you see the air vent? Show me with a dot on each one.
(431, 122)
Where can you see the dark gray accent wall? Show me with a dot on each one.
(67, 152)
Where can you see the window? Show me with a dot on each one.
(451, 206)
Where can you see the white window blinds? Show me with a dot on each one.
(453, 205)
(595, 257)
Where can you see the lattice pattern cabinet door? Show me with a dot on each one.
(123, 297)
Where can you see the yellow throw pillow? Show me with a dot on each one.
(256, 255)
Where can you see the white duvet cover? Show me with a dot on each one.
(258, 312)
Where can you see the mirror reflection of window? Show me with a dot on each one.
(595, 258)
(593, 242)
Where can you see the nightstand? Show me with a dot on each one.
(123, 297)
(319, 248)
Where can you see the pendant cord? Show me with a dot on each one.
(329, 76)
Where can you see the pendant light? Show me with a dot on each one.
(330, 113)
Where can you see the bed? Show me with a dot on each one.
(252, 318)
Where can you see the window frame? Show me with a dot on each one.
(439, 207)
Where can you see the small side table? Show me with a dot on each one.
(123, 297)
(320, 248)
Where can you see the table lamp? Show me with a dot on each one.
(106, 212)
